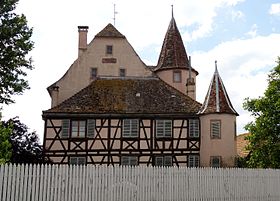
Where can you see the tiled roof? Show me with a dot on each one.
(217, 99)
(110, 31)
(173, 53)
(241, 144)
(128, 96)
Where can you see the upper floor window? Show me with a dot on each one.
(163, 161)
(129, 160)
(93, 73)
(81, 160)
(215, 129)
(215, 161)
(193, 160)
(130, 128)
(78, 128)
(163, 128)
(177, 76)
(122, 72)
(109, 49)
(193, 128)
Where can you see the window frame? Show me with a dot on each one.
(130, 160)
(65, 128)
(131, 129)
(78, 158)
(194, 131)
(93, 73)
(212, 158)
(195, 162)
(122, 72)
(212, 130)
(179, 73)
(164, 128)
(109, 49)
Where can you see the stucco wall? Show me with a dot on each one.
(225, 146)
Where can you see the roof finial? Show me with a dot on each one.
(172, 10)
(216, 68)
(115, 12)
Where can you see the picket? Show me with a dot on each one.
(102, 183)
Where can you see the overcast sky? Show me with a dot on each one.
(242, 35)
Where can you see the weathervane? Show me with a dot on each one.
(115, 12)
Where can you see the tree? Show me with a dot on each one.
(25, 145)
(15, 44)
(264, 141)
(5, 145)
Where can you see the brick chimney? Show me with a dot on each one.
(82, 38)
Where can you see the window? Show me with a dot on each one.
(78, 128)
(90, 128)
(215, 129)
(109, 49)
(122, 72)
(93, 73)
(77, 160)
(130, 128)
(163, 128)
(163, 161)
(193, 128)
(177, 76)
(65, 124)
(129, 160)
(215, 161)
(193, 160)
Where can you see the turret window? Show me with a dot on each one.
(215, 161)
(177, 76)
(215, 129)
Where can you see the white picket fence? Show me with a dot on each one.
(100, 183)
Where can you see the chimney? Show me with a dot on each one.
(82, 38)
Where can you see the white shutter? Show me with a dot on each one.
(65, 124)
(130, 127)
(90, 127)
(193, 160)
(193, 128)
(159, 128)
(216, 129)
(163, 128)
(167, 128)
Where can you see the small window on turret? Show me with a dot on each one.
(215, 129)
(177, 76)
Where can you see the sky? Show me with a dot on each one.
(242, 35)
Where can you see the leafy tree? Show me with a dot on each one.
(25, 145)
(264, 141)
(5, 145)
(15, 44)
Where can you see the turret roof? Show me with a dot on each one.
(217, 99)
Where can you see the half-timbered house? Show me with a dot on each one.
(110, 108)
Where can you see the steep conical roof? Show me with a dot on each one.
(173, 53)
(217, 100)
(110, 31)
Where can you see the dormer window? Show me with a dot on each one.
(177, 76)
(109, 49)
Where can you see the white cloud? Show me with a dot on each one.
(253, 31)
(274, 9)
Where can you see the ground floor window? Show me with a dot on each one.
(163, 161)
(80, 160)
(129, 160)
(193, 161)
(215, 161)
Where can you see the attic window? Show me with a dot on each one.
(109, 49)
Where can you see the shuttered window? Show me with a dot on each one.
(193, 128)
(129, 160)
(215, 129)
(130, 128)
(78, 128)
(90, 128)
(77, 160)
(215, 161)
(163, 161)
(65, 124)
(163, 128)
(193, 161)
